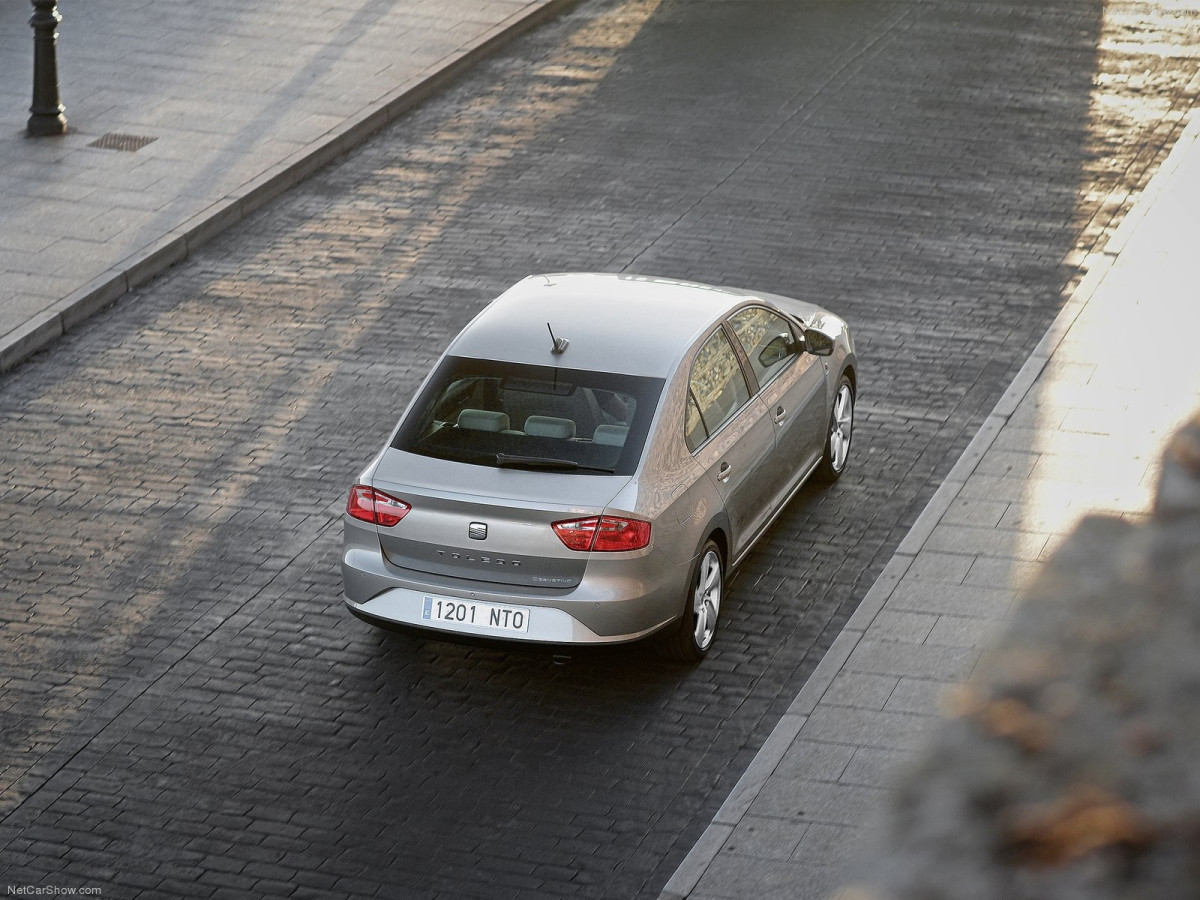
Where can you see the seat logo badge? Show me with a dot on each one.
(477, 531)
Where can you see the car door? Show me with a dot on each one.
(731, 435)
(793, 391)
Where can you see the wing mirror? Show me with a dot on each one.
(818, 343)
(776, 350)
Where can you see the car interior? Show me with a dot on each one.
(559, 412)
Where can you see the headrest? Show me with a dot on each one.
(549, 426)
(482, 420)
(611, 435)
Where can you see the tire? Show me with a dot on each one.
(838, 434)
(690, 640)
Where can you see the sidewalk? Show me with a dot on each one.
(195, 134)
(1080, 430)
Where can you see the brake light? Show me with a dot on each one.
(621, 534)
(606, 534)
(577, 534)
(370, 505)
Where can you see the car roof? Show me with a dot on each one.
(633, 324)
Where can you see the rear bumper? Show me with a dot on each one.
(613, 604)
(547, 625)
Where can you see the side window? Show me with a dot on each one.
(767, 339)
(718, 389)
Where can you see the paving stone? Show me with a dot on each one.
(1023, 545)
(920, 661)
(828, 845)
(905, 627)
(874, 767)
(951, 568)
(858, 727)
(919, 595)
(858, 689)
(765, 837)
(920, 696)
(960, 631)
(965, 511)
(987, 572)
(814, 760)
(734, 877)
(818, 802)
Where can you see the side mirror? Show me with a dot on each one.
(818, 343)
(776, 350)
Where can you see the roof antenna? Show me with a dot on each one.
(560, 344)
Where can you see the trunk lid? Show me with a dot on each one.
(488, 524)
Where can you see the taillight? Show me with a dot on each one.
(604, 533)
(374, 506)
(577, 534)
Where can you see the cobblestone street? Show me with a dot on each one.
(186, 709)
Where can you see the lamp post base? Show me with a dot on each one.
(46, 125)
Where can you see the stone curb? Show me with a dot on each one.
(1098, 265)
(183, 240)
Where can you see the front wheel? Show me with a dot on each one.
(690, 640)
(837, 438)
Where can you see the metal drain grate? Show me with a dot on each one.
(126, 142)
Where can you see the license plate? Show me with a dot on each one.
(497, 616)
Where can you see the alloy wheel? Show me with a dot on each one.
(706, 601)
(841, 425)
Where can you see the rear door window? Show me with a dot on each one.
(717, 389)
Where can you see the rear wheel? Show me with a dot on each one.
(837, 438)
(690, 640)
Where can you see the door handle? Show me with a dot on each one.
(724, 472)
(780, 415)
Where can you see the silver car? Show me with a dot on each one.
(592, 456)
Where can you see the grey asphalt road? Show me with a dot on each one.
(187, 710)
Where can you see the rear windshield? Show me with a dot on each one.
(533, 417)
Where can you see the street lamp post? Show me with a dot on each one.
(47, 110)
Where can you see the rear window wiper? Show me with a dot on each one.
(506, 461)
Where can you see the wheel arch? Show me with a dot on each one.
(716, 528)
(717, 534)
(850, 372)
